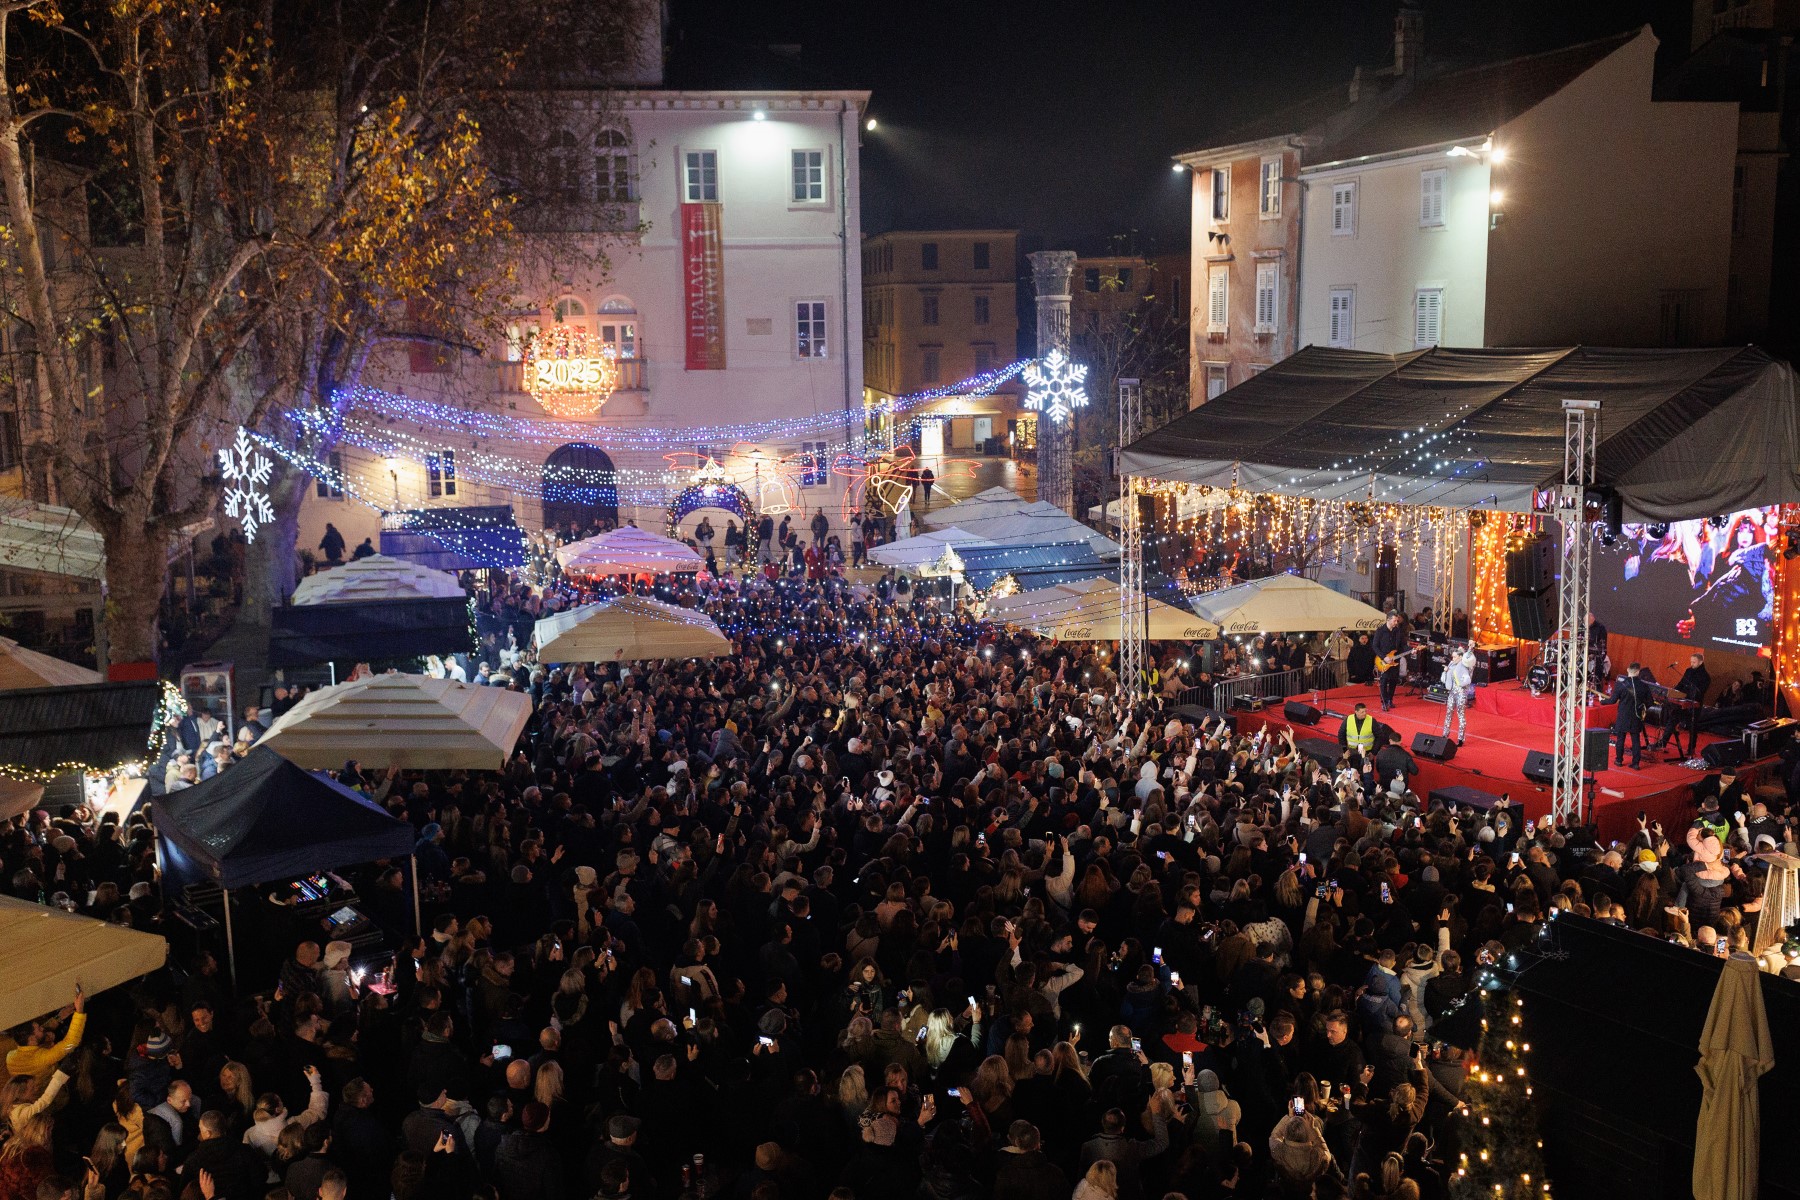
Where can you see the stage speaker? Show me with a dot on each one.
(1595, 744)
(1433, 746)
(1532, 567)
(1301, 713)
(1725, 754)
(1533, 614)
(1539, 765)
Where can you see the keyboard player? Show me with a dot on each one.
(1685, 713)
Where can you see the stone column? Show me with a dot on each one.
(1050, 274)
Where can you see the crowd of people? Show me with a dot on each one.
(888, 904)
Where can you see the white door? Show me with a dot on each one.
(984, 429)
(931, 439)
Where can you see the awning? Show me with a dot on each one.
(628, 551)
(59, 541)
(923, 549)
(98, 725)
(405, 721)
(1284, 604)
(469, 538)
(369, 631)
(998, 515)
(628, 629)
(49, 952)
(22, 668)
(1090, 610)
(1683, 433)
(377, 577)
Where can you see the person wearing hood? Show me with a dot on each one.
(334, 978)
(433, 860)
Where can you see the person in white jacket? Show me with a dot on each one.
(271, 1115)
(1425, 965)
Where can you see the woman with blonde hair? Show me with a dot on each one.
(25, 1160)
(240, 1095)
(270, 1116)
(993, 1088)
(851, 1097)
(1100, 1183)
(949, 1056)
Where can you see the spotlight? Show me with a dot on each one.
(869, 125)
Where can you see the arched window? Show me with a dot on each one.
(564, 172)
(617, 326)
(569, 307)
(615, 168)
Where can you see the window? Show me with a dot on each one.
(1124, 278)
(1738, 184)
(1343, 318)
(331, 487)
(1343, 209)
(1175, 292)
(567, 308)
(982, 311)
(1269, 200)
(1268, 285)
(1431, 196)
(980, 253)
(1221, 193)
(928, 309)
(984, 359)
(565, 170)
(1215, 380)
(815, 463)
(809, 329)
(928, 366)
(701, 174)
(1428, 317)
(928, 256)
(809, 176)
(621, 336)
(1090, 279)
(440, 473)
(615, 179)
(1218, 297)
(10, 454)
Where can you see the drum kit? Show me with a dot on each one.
(1553, 660)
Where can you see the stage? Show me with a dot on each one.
(1493, 754)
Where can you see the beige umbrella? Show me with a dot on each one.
(628, 551)
(402, 721)
(49, 952)
(628, 629)
(1735, 1053)
(17, 796)
(1089, 610)
(1284, 604)
(22, 668)
(377, 577)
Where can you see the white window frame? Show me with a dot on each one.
(1340, 329)
(330, 487)
(1268, 189)
(440, 473)
(1268, 297)
(610, 158)
(1218, 300)
(1219, 373)
(816, 469)
(694, 167)
(821, 186)
(1432, 299)
(812, 325)
(1434, 189)
(1343, 208)
(1220, 201)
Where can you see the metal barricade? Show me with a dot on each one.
(1273, 685)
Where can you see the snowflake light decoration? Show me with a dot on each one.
(1054, 385)
(247, 469)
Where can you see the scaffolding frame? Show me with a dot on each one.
(1133, 625)
(1581, 430)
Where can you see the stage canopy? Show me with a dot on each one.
(404, 721)
(265, 819)
(49, 951)
(629, 550)
(923, 550)
(628, 629)
(1088, 610)
(22, 668)
(377, 577)
(1683, 433)
(1284, 604)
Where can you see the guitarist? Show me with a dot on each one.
(1632, 695)
(1390, 646)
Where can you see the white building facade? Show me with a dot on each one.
(732, 319)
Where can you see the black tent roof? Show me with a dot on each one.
(1683, 433)
(266, 819)
(100, 724)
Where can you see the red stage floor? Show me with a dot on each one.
(1493, 754)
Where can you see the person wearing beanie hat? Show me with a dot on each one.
(526, 1165)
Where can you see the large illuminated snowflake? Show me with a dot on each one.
(1054, 385)
(247, 469)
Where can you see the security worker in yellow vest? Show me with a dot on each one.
(1361, 732)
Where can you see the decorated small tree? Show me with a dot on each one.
(1501, 1156)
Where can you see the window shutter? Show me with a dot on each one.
(1216, 301)
(1431, 197)
(1428, 317)
(1267, 281)
(1343, 209)
(1343, 327)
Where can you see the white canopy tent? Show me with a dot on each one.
(628, 629)
(924, 550)
(1089, 610)
(1284, 604)
(377, 577)
(628, 551)
(22, 668)
(402, 721)
(49, 952)
(998, 515)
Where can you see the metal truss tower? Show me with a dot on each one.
(1581, 435)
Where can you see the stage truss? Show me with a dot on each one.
(1133, 633)
(1581, 429)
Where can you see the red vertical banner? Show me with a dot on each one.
(703, 286)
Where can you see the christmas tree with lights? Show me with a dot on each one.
(1502, 1152)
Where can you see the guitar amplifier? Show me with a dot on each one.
(1495, 664)
(1437, 693)
(1249, 703)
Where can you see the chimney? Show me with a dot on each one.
(1409, 39)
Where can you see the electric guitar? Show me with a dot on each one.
(1387, 662)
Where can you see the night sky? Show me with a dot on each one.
(1058, 118)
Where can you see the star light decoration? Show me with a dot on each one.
(1055, 386)
(247, 469)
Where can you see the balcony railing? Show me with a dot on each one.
(632, 376)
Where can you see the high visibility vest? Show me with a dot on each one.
(1360, 737)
